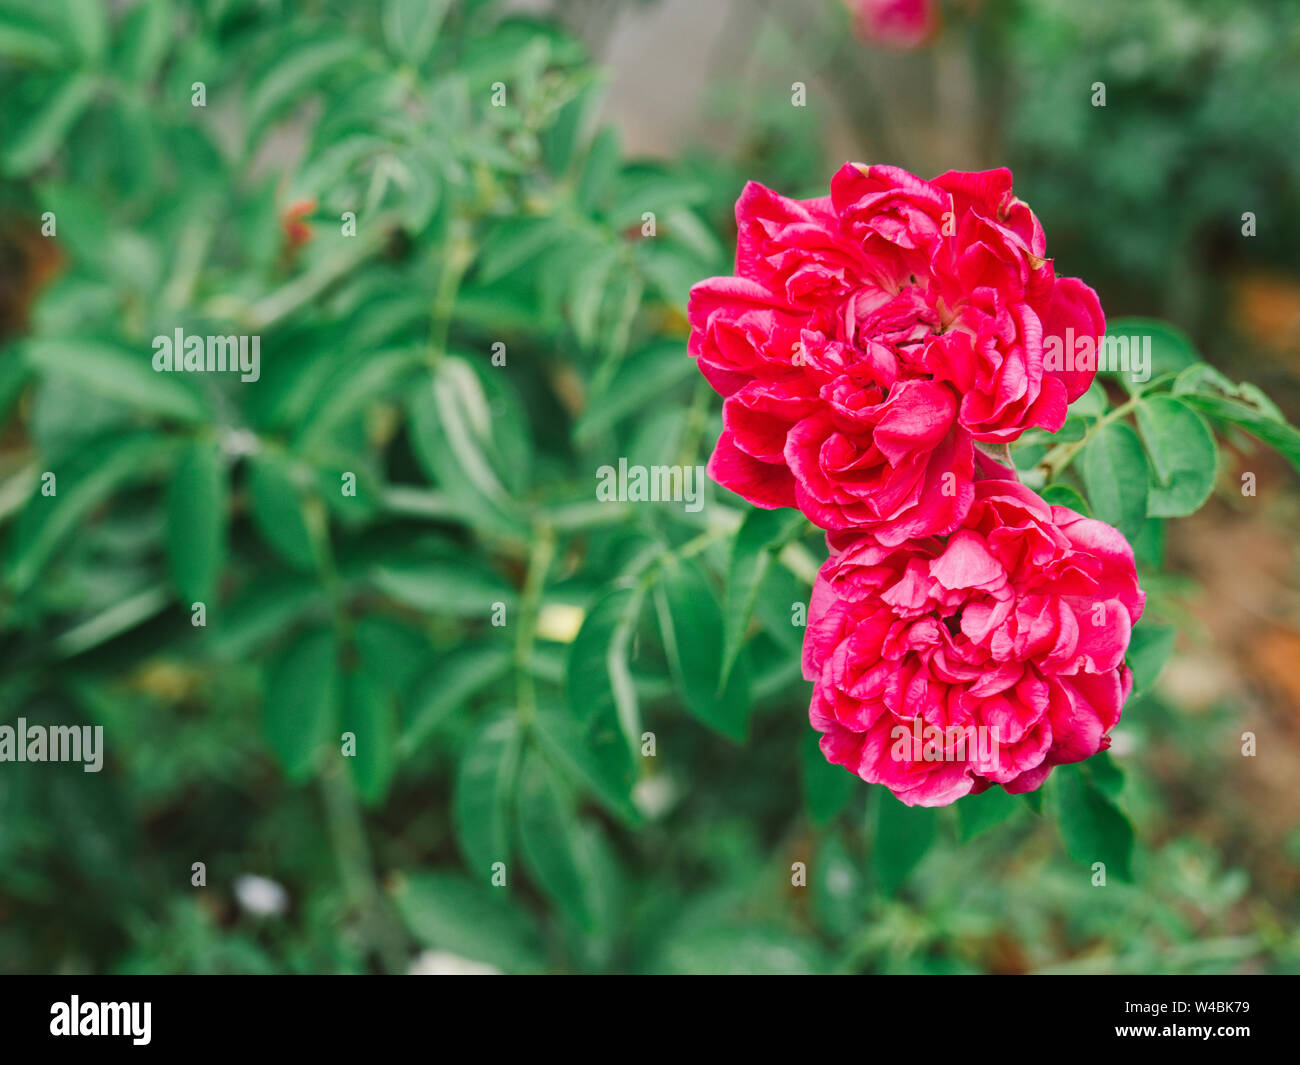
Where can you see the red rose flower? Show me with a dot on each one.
(869, 337)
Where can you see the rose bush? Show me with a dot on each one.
(646, 793)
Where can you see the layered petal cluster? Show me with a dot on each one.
(944, 666)
(870, 337)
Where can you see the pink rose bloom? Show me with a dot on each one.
(895, 23)
(870, 337)
(942, 668)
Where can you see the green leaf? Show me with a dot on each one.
(650, 372)
(598, 680)
(1148, 650)
(656, 438)
(1171, 349)
(754, 950)
(279, 511)
(45, 129)
(480, 801)
(554, 849)
(979, 813)
(598, 757)
(263, 609)
(92, 238)
(599, 170)
(29, 43)
(691, 624)
(572, 125)
(124, 615)
(651, 190)
(1075, 428)
(1062, 495)
(453, 429)
(80, 485)
(761, 533)
(781, 595)
(196, 521)
(126, 376)
(827, 788)
(587, 294)
(448, 684)
(126, 138)
(1183, 456)
(903, 836)
(836, 881)
(330, 166)
(351, 389)
(368, 715)
(442, 583)
(411, 27)
(392, 652)
(418, 187)
(1115, 476)
(1257, 420)
(1106, 774)
(1149, 547)
(302, 701)
(1203, 378)
(447, 912)
(144, 39)
(294, 74)
(685, 227)
(515, 242)
(1092, 404)
(86, 23)
(1092, 826)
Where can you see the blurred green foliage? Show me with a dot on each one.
(468, 308)
(1153, 186)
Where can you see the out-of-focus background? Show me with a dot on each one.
(498, 161)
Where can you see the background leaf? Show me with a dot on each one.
(368, 715)
(903, 836)
(979, 813)
(447, 683)
(554, 848)
(480, 804)
(279, 511)
(598, 679)
(196, 521)
(599, 759)
(411, 27)
(302, 701)
(118, 374)
(760, 534)
(691, 623)
(828, 788)
(1148, 650)
(446, 911)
